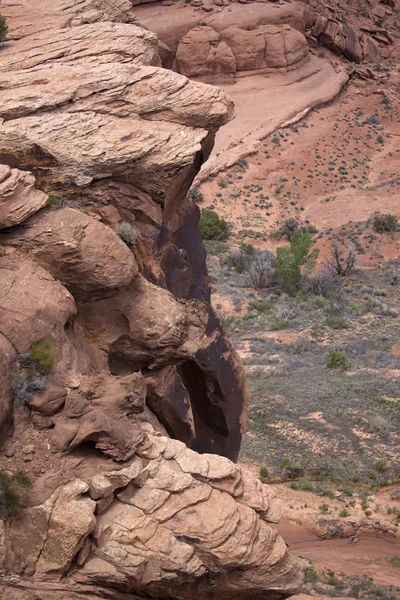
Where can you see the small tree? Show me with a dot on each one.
(261, 270)
(289, 227)
(213, 227)
(3, 28)
(325, 282)
(340, 262)
(294, 260)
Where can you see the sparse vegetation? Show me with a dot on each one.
(127, 233)
(25, 385)
(213, 227)
(340, 262)
(291, 469)
(3, 28)
(324, 283)
(12, 491)
(196, 194)
(36, 364)
(56, 201)
(337, 360)
(39, 358)
(294, 260)
(385, 223)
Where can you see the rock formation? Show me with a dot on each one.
(203, 52)
(114, 369)
(220, 38)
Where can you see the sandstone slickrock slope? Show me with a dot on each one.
(94, 134)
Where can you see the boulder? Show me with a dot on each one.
(71, 520)
(267, 46)
(370, 48)
(19, 198)
(353, 51)
(202, 52)
(33, 305)
(71, 246)
(99, 410)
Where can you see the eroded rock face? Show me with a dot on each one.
(19, 198)
(72, 247)
(171, 522)
(88, 115)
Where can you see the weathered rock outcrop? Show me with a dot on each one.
(19, 199)
(203, 48)
(203, 52)
(170, 522)
(95, 139)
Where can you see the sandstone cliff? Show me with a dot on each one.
(114, 369)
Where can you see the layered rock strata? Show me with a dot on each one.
(134, 368)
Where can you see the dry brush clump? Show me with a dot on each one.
(12, 492)
(342, 261)
(35, 365)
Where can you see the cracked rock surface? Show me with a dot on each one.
(131, 435)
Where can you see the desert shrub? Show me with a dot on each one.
(127, 233)
(381, 465)
(36, 364)
(195, 194)
(261, 305)
(311, 575)
(215, 247)
(3, 28)
(240, 259)
(289, 227)
(291, 469)
(39, 358)
(12, 489)
(337, 360)
(264, 473)
(326, 283)
(55, 200)
(213, 227)
(24, 386)
(378, 424)
(294, 260)
(342, 261)
(335, 321)
(286, 309)
(383, 223)
(301, 345)
(261, 271)
(278, 324)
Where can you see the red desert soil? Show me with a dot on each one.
(334, 169)
(367, 556)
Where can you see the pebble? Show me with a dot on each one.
(10, 452)
(30, 570)
(29, 449)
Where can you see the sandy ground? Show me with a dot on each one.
(265, 102)
(334, 169)
(369, 556)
